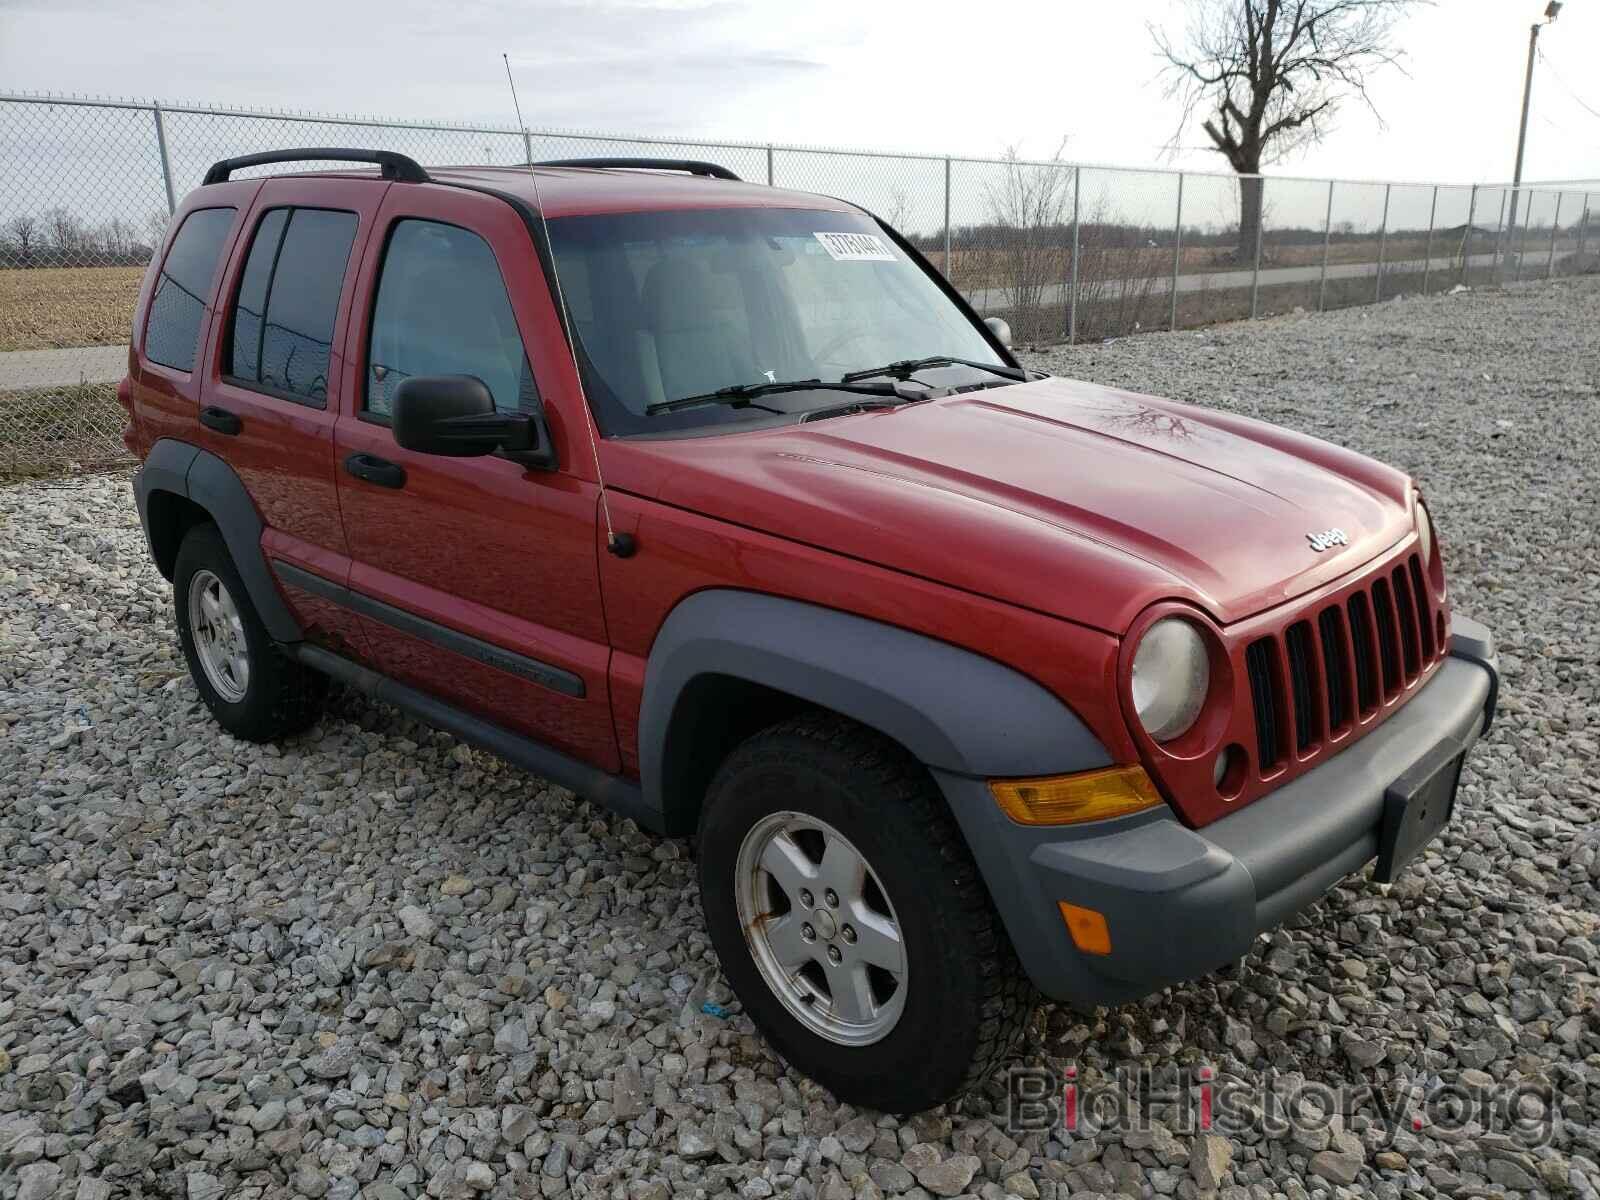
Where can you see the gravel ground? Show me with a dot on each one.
(375, 962)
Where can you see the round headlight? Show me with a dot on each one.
(1170, 676)
(1424, 533)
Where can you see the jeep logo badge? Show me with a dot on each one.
(1325, 539)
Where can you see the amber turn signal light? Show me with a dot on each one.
(1069, 799)
(1087, 927)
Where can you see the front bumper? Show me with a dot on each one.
(1180, 902)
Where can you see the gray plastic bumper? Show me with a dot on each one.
(1181, 902)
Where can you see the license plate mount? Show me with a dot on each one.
(1416, 807)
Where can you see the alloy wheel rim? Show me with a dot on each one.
(218, 633)
(821, 928)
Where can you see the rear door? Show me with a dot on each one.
(271, 397)
(476, 577)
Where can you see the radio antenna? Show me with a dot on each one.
(620, 544)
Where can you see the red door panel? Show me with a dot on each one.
(284, 449)
(483, 572)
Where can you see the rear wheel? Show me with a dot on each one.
(252, 688)
(851, 920)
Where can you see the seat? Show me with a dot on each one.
(696, 333)
(447, 322)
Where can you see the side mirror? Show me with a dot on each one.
(1001, 330)
(454, 416)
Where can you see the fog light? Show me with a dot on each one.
(1087, 927)
(1219, 769)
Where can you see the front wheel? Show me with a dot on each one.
(851, 920)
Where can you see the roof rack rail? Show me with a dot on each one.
(398, 167)
(691, 165)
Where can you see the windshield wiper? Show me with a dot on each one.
(858, 406)
(741, 394)
(907, 367)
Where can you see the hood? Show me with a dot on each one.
(1081, 501)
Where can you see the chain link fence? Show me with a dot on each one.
(1063, 251)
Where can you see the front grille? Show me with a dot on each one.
(1264, 695)
(1298, 643)
(1335, 666)
(1364, 652)
(1322, 672)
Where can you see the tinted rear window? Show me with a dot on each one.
(282, 332)
(172, 334)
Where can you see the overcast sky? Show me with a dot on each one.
(882, 73)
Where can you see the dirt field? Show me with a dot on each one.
(66, 306)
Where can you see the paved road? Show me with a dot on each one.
(988, 299)
(21, 369)
(62, 368)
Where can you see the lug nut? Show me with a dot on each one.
(849, 932)
(832, 898)
(833, 955)
(807, 900)
(808, 933)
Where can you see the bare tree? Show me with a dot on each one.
(67, 234)
(117, 239)
(155, 227)
(1030, 209)
(1267, 77)
(24, 231)
(899, 214)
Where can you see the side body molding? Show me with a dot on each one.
(197, 475)
(958, 712)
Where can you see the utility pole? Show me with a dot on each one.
(1552, 10)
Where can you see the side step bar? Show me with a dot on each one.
(621, 795)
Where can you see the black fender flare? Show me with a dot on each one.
(200, 476)
(957, 711)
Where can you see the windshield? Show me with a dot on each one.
(669, 305)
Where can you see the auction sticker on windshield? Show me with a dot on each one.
(855, 247)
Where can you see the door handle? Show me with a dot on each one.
(376, 470)
(221, 420)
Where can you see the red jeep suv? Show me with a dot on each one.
(716, 504)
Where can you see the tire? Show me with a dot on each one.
(254, 690)
(824, 785)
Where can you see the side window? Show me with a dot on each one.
(442, 309)
(172, 333)
(282, 330)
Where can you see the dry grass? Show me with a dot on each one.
(49, 430)
(67, 306)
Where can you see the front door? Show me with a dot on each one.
(476, 578)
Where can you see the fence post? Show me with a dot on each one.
(166, 162)
(1466, 235)
(527, 147)
(1255, 271)
(1327, 239)
(1526, 204)
(1177, 254)
(1383, 242)
(1427, 253)
(1072, 295)
(769, 164)
(1583, 230)
(947, 274)
(1555, 229)
(1500, 236)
